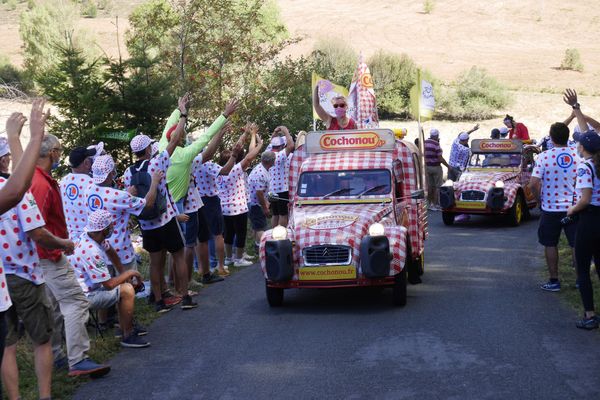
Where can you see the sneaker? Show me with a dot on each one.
(138, 329)
(248, 257)
(161, 308)
(551, 287)
(207, 279)
(588, 324)
(224, 272)
(195, 285)
(192, 293)
(228, 262)
(188, 303)
(134, 341)
(89, 367)
(172, 301)
(242, 262)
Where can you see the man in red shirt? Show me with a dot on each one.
(517, 130)
(70, 304)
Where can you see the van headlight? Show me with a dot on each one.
(376, 229)
(279, 233)
(499, 185)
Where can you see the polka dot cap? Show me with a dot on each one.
(102, 166)
(140, 142)
(98, 220)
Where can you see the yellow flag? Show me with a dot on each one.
(327, 91)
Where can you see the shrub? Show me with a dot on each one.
(335, 60)
(572, 60)
(12, 4)
(89, 9)
(428, 6)
(105, 5)
(474, 95)
(13, 76)
(393, 75)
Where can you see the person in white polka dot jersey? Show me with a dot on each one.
(12, 191)
(233, 193)
(587, 213)
(102, 290)
(73, 186)
(100, 194)
(553, 182)
(282, 145)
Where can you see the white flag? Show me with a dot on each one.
(426, 100)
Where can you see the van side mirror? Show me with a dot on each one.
(418, 194)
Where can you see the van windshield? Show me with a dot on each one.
(495, 160)
(326, 184)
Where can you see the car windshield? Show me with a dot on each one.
(495, 160)
(326, 184)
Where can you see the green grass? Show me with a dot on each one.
(569, 293)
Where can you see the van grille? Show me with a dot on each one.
(327, 255)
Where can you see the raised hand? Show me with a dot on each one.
(38, 119)
(157, 176)
(476, 127)
(570, 97)
(231, 107)
(183, 103)
(14, 124)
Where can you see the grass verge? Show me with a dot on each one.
(569, 293)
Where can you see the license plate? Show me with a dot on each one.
(327, 273)
(471, 205)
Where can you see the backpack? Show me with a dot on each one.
(141, 179)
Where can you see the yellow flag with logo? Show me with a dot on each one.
(327, 91)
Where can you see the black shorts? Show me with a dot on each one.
(280, 207)
(213, 214)
(203, 229)
(258, 220)
(551, 227)
(168, 237)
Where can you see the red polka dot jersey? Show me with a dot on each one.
(587, 178)
(90, 262)
(72, 190)
(279, 173)
(233, 191)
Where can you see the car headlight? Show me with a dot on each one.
(279, 233)
(376, 229)
(499, 185)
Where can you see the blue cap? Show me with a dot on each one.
(590, 141)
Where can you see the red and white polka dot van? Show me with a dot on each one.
(357, 216)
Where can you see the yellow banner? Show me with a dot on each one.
(327, 273)
(327, 91)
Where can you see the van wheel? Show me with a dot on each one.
(274, 296)
(448, 218)
(517, 211)
(399, 289)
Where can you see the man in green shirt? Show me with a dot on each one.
(178, 174)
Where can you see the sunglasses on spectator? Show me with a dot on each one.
(339, 105)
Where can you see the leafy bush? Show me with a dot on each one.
(394, 75)
(12, 4)
(572, 61)
(474, 95)
(89, 9)
(14, 76)
(428, 6)
(335, 61)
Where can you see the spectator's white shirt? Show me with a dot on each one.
(72, 190)
(258, 180)
(279, 173)
(18, 251)
(233, 191)
(90, 263)
(160, 162)
(557, 169)
(206, 179)
(193, 201)
(587, 178)
(121, 205)
(459, 155)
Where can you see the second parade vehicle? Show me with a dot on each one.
(494, 183)
(357, 216)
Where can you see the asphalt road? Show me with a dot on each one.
(477, 328)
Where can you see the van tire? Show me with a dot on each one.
(448, 218)
(399, 289)
(274, 296)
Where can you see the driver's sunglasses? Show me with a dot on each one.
(339, 105)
